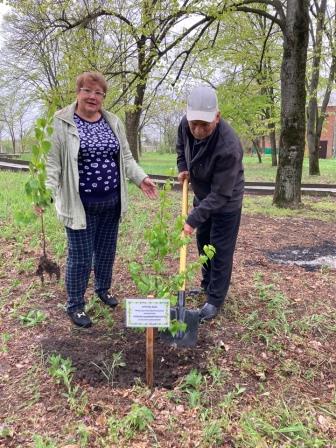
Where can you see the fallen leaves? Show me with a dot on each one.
(70, 446)
(315, 344)
(325, 423)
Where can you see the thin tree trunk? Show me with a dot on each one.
(313, 148)
(293, 97)
(312, 109)
(132, 126)
(326, 98)
(139, 143)
(257, 148)
(133, 117)
(12, 136)
(271, 127)
(274, 146)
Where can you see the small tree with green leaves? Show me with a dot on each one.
(37, 191)
(152, 275)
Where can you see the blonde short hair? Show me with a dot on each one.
(91, 76)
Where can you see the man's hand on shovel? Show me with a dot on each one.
(183, 175)
(188, 230)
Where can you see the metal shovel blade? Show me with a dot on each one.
(187, 338)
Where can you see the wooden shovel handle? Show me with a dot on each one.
(183, 250)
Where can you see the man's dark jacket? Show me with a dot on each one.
(216, 171)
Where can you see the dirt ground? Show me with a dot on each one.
(31, 402)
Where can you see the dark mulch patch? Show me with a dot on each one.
(311, 257)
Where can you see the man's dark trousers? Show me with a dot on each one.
(221, 231)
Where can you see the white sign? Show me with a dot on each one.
(148, 313)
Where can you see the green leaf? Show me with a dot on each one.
(176, 326)
(35, 150)
(41, 122)
(38, 133)
(33, 183)
(50, 130)
(209, 251)
(46, 145)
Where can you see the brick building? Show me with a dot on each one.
(328, 136)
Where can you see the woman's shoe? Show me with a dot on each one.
(108, 299)
(80, 318)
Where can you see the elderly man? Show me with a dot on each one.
(210, 155)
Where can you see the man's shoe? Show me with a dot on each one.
(208, 311)
(108, 299)
(80, 318)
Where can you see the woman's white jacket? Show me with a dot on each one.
(62, 167)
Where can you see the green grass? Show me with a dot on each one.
(156, 163)
(14, 200)
(264, 172)
(25, 156)
(323, 209)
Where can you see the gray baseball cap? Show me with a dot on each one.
(202, 104)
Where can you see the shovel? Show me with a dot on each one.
(188, 338)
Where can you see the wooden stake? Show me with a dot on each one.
(149, 354)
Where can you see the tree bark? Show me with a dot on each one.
(313, 147)
(132, 126)
(12, 136)
(139, 142)
(293, 97)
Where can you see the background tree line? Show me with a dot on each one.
(262, 57)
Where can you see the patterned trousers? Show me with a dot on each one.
(94, 246)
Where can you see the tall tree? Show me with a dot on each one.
(312, 107)
(323, 37)
(15, 116)
(292, 17)
(151, 29)
(43, 62)
(295, 28)
(245, 72)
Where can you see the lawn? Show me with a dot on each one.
(156, 163)
(262, 375)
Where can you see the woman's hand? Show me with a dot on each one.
(148, 188)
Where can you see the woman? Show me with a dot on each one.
(86, 171)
